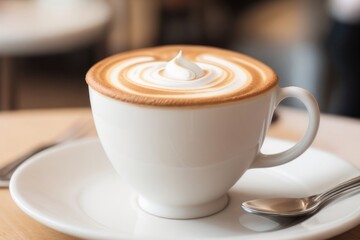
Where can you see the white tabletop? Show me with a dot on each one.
(46, 26)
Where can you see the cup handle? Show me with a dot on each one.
(270, 160)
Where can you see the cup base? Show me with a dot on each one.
(184, 212)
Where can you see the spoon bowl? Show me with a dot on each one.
(297, 207)
(280, 206)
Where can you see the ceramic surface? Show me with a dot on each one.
(74, 189)
(183, 160)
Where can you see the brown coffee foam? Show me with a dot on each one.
(261, 77)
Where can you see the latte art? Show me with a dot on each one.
(179, 78)
(179, 75)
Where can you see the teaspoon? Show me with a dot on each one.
(297, 207)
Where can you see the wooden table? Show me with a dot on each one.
(22, 130)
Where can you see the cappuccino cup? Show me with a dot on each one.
(181, 124)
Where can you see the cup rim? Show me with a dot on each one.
(255, 68)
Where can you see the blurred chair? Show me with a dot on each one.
(287, 36)
(39, 27)
(344, 48)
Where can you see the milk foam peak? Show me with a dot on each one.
(180, 75)
(181, 69)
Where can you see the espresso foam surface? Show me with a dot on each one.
(180, 75)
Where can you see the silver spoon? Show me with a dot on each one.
(297, 207)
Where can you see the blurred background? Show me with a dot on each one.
(47, 46)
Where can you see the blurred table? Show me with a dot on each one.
(36, 27)
(22, 130)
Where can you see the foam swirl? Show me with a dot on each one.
(181, 69)
(177, 75)
(145, 75)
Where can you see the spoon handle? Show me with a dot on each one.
(345, 186)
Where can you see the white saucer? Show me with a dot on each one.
(73, 189)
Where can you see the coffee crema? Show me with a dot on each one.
(180, 75)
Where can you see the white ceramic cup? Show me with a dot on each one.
(181, 124)
(183, 160)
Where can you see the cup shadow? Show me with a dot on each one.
(230, 222)
(233, 219)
